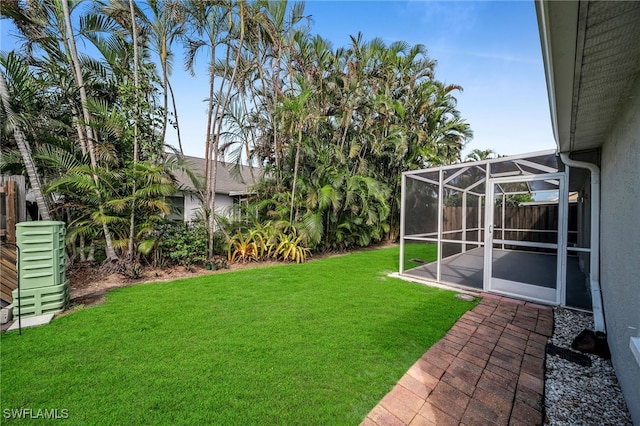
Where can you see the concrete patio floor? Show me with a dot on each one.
(487, 370)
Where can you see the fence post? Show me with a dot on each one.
(10, 209)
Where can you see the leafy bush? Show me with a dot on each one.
(184, 243)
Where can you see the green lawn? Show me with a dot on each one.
(426, 252)
(315, 343)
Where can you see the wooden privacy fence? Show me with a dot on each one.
(8, 273)
(452, 218)
(13, 205)
(523, 221)
(10, 215)
(13, 209)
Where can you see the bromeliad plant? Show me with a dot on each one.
(291, 248)
(244, 248)
(269, 240)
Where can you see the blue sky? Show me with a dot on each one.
(491, 49)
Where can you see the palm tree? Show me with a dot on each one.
(80, 84)
(223, 102)
(277, 22)
(481, 154)
(20, 73)
(167, 26)
(208, 22)
(77, 71)
(136, 84)
(295, 111)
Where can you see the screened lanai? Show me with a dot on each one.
(515, 226)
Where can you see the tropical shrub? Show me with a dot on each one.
(244, 248)
(183, 243)
(276, 240)
(291, 248)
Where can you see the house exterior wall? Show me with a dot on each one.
(192, 206)
(620, 245)
(223, 204)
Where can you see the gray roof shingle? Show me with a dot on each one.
(228, 181)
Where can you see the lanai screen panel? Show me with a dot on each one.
(421, 206)
(446, 207)
(420, 219)
(463, 204)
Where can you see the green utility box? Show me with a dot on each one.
(43, 283)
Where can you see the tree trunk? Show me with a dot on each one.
(212, 163)
(83, 256)
(175, 114)
(80, 82)
(25, 152)
(165, 89)
(295, 173)
(91, 257)
(210, 152)
(76, 124)
(76, 115)
(109, 250)
(212, 200)
(270, 109)
(219, 121)
(136, 71)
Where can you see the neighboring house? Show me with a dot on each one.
(591, 52)
(231, 188)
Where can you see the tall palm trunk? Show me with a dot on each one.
(76, 123)
(295, 173)
(136, 71)
(175, 114)
(212, 165)
(165, 89)
(208, 193)
(109, 250)
(220, 120)
(77, 71)
(270, 108)
(82, 138)
(25, 152)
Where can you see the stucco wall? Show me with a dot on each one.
(192, 206)
(223, 204)
(620, 245)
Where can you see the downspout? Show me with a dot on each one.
(594, 273)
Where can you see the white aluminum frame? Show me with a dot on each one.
(523, 290)
(528, 171)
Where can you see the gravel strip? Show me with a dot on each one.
(575, 394)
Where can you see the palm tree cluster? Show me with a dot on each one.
(88, 121)
(332, 128)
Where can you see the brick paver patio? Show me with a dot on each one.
(487, 370)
